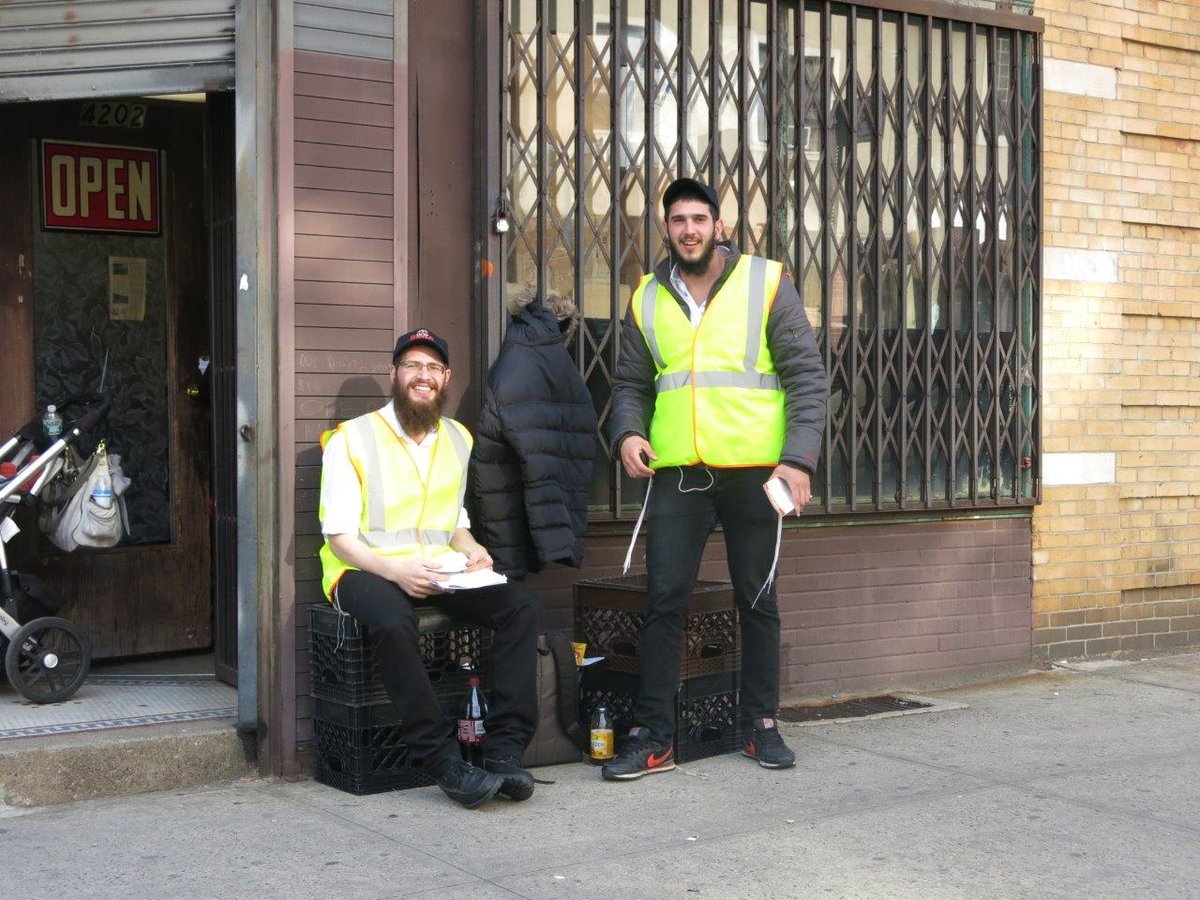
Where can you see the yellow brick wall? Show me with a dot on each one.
(1116, 566)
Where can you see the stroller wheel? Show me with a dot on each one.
(47, 660)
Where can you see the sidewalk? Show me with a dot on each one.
(1066, 783)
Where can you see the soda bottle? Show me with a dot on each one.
(602, 736)
(471, 729)
(52, 423)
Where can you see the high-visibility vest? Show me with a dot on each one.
(405, 512)
(718, 399)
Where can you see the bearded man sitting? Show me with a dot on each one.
(392, 486)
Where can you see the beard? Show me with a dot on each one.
(700, 265)
(417, 417)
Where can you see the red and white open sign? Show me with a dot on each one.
(97, 187)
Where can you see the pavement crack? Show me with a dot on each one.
(1160, 684)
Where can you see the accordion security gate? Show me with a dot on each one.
(888, 154)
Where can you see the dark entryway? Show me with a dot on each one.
(108, 272)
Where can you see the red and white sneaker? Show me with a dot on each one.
(765, 744)
(639, 756)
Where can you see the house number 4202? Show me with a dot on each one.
(113, 113)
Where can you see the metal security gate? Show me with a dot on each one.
(63, 49)
(889, 153)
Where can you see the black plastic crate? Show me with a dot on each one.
(391, 780)
(355, 716)
(364, 760)
(706, 709)
(343, 665)
(609, 614)
(451, 695)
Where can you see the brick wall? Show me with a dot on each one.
(1116, 539)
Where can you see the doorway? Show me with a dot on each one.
(117, 244)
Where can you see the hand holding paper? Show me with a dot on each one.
(456, 565)
(780, 495)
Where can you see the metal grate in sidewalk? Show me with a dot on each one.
(862, 708)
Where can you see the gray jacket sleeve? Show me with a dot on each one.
(632, 387)
(793, 347)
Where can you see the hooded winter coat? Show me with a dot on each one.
(531, 467)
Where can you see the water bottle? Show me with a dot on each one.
(102, 492)
(52, 423)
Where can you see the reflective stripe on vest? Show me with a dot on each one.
(397, 520)
(718, 396)
(375, 534)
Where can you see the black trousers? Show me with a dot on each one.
(685, 505)
(511, 610)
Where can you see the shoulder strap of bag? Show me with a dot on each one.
(83, 471)
(568, 688)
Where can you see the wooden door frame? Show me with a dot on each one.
(256, 97)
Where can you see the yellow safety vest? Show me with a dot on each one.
(718, 399)
(405, 512)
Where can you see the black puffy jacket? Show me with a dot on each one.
(531, 467)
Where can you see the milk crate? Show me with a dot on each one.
(343, 664)
(364, 760)
(706, 709)
(358, 748)
(609, 614)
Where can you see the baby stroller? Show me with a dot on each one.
(46, 658)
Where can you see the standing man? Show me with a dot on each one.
(392, 485)
(719, 387)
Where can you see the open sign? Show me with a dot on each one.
(97, 187)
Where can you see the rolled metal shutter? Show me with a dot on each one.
(56, 50)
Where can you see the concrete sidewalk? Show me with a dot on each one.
(1066, 783)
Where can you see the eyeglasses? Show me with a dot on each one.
(411, 365)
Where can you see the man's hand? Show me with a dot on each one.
(799, 483)
(417, 577)
(477, 556)
(478, 559)
(636, 452)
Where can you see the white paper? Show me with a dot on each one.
(465, 581)
(453, 562)
(780, 495)
(8, 529)
(126, 288)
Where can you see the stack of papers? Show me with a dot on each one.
(458, 580)
(464, 581)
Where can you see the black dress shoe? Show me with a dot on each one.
(465, 784)
(518, 782)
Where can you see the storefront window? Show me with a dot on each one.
(890, 159)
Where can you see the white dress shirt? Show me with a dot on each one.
(681, 288)
(696, 307)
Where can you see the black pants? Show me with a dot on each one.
(685, 506)
(510, 609)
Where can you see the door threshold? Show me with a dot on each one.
(107, 702)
